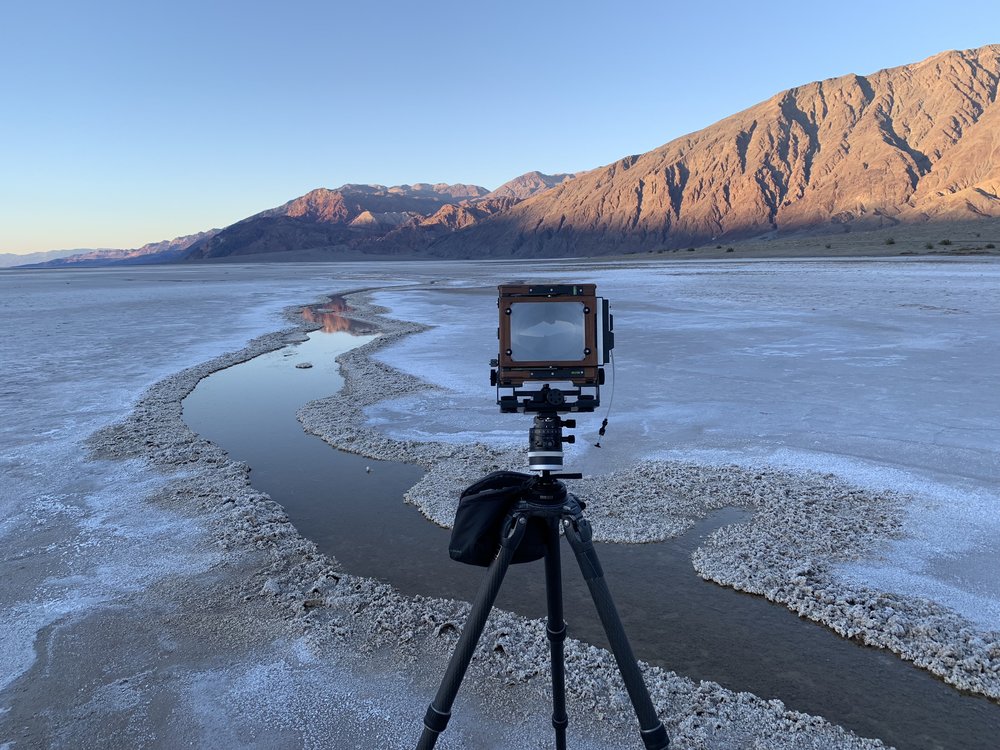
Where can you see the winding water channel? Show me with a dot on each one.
(674, 619)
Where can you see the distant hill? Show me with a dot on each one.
(528, 184)
(166, 251)
(367, 220)
(912, 144)
(341, 218)
(9, 260)
(414, 238)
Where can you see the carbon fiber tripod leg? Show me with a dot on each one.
(579, 534)
(439, 711)
(557, 633)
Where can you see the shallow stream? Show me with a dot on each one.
(351, 507)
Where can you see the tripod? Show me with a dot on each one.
(545, 498)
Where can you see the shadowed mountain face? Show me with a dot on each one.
(910, 144)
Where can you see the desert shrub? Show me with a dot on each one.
(929, 245)
(890, 241)
(729, 250)
(828, 246)
(945, 242)
(990, 246)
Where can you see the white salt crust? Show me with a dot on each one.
(348, 616)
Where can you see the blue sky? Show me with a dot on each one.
(125, 123)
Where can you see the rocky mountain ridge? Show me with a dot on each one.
(11, 260)
(912, 144)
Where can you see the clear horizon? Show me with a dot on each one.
(127, 125)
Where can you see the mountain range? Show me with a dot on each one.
(911, 145)
(360, 220)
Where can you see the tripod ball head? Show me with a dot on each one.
(545, 441)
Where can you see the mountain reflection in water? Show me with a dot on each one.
(332, 316)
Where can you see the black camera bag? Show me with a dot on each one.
(479, 521)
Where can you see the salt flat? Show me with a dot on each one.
(180, 581)
(882, 372)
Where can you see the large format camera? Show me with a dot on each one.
(554, 342)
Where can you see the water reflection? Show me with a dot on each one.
(333, 316)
